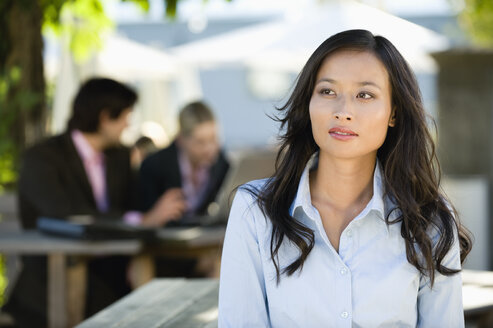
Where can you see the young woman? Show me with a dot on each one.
(352, 230)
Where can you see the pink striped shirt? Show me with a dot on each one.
(194, 183)
(94, 166)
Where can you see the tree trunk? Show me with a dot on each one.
(22, 48)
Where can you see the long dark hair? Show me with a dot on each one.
(411, 172)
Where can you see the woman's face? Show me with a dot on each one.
(350, 108)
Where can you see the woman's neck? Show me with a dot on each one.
(343, 184)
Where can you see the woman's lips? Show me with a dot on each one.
(342, 134)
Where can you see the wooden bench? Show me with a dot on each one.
(177, 303)
(174, 302)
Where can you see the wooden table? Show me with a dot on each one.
(176, 303)
(63, 293)
(202, 243)
(170, 303)
(63, 282)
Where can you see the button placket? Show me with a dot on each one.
(343, 288)
(346, 244)
(318, 223)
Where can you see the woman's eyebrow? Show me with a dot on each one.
(365, 83)
(325, 79)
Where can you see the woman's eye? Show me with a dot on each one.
(364, 95)
(327, 92)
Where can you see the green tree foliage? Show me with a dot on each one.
(24, 100)
(477, 18)
(3, 279)
(82, 22)
(21, 82)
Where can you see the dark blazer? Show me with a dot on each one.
(161, 171)
(53, 182)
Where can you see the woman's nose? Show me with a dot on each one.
(343, 116)
(343, 111)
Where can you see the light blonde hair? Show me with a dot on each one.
(192, 115)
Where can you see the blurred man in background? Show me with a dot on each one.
(84, 171)
(189, 173)
(192, 168)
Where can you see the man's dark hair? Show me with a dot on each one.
(96, 95)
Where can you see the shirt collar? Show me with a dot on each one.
(186, 165)
(84, 149)
(303, 196)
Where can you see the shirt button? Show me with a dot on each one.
(343, 271)
(344, 314)
(349, 233)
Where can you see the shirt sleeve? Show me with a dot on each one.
(133, 218)
(242, 298)
(441, 305)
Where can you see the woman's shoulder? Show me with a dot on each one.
(248, 193)
(254, 185)
(246, 200)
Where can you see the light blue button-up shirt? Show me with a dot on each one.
(369, 283)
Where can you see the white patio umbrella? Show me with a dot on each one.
(151, 70)
(127, 60)
(286, 44)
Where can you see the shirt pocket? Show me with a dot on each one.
(389, 300)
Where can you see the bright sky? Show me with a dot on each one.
(416, 7)
(236, 8)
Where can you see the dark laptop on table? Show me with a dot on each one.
(89, 228)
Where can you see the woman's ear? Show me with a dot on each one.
(392, 118)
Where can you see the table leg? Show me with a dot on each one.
(141, 270)
(209, 265)
(76, 291)
(217, 267)
(57, 303)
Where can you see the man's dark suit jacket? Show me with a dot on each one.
(161, 171)
(53, 183)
